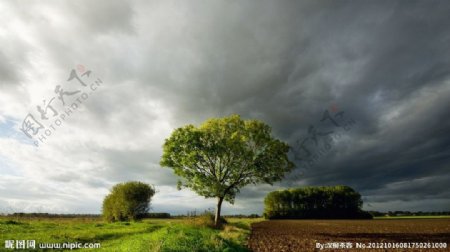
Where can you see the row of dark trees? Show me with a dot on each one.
(323, 202)
(156, 215)
(51, 215)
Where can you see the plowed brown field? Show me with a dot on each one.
(302, 235)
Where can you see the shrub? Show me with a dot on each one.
(127, 201)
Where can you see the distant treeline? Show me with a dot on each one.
(322, 202)
(196, 213)
(407, 213)
(156, 215)
(49, 215)
(242, 216)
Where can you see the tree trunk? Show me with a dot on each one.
(217, 217)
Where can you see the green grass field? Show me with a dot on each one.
(174, 234)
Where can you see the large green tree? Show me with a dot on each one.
(223, 155)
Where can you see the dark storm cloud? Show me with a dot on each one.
(386, 64)
(407, 70)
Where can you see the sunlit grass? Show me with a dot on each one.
(176, 234)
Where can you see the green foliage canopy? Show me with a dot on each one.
(223, 155)
(127, 201)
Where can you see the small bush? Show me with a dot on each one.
(127, 201)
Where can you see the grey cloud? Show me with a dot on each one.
(385, 64)
(135, 165)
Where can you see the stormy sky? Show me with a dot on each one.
(369, 80)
